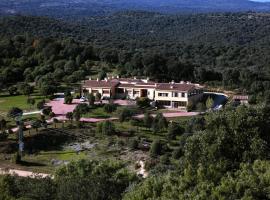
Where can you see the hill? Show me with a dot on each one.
(84, 8)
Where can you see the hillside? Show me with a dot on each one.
(82, 8)
(228, 49)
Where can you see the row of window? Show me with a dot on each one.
(174, 94)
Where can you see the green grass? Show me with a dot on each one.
(20, 101)
(97, 113)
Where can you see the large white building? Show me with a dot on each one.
(170, 95)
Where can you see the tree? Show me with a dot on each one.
(91, 99)
(77, 115)
(68, 98)
(125, 114)
(143, 102)
(209, 103)
(98, 96)
(47, 90)
(55, 121)
(26, 89)
(106, 128)
(46, 111)
(159, 123)
(174, 130)
(69, 116)
(82, 108)
(14, 112)
(31, 102)
(12, 90)
(90, 179)
(156, 148)
(147, 120)
(3, 125)
(36, 124)
(40, 104)
(102, 74)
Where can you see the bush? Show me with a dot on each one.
(165, 159)
(40, 104)
(156, 148)
(174, 130)
(109, 108)
(133, 144)
(126, 114)
(82, 108)
(106, 128)
(16, 158)
(46, 111)
(200, 107)
(177, 153)
(143, 102)
(13, 112)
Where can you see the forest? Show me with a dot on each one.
(229, 50)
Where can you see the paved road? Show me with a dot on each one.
(23, 173)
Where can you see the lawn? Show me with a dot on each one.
(20, 101)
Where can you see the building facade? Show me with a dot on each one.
(170, 95)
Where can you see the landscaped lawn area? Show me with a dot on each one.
(20, 101)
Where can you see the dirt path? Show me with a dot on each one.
(23, 173)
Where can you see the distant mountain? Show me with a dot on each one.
(82, 8)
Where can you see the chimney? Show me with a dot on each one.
(135, 77)
(117, 76)
(90, 78)
(97, 79)
(172, 81)
(106, 79)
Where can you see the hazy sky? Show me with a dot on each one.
(261, 0)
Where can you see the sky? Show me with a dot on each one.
(261, 0)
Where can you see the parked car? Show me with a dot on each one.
(83, 99)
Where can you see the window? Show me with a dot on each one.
(174, 94)
(183, 94)
(164, 103)
(163, 94)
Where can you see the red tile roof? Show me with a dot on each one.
(176, 87)
(137, 85)
(101, 84)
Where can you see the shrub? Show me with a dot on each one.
(174, 130)
(200, 107)
(164, 159)
(133, 143)
(156, 148)
(143, 102)
(14, 112)
(46, 111)
(105, 128)
(16, 158)
(40, 104)
(126, 114)
(109, 108)
(177, 153)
